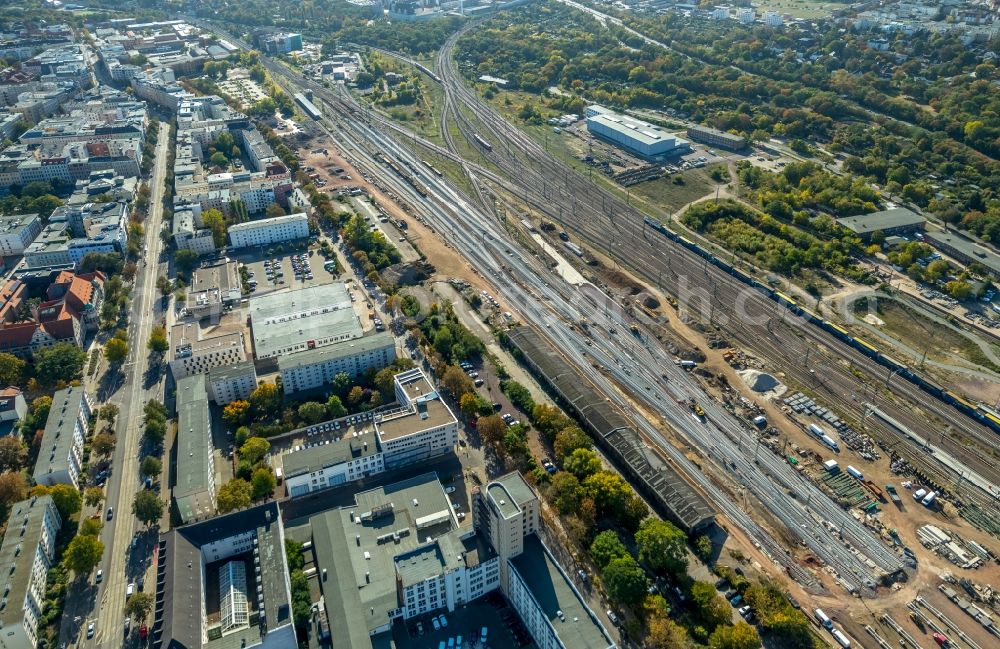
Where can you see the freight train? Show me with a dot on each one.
(402, 173)
(978, 413)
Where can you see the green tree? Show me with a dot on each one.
(185, 261)
(582, 463)
(519, 396)
(703, 547)
(662, 546)
(108, 412)
(959, 290)
(335, 408)
(549, 420)
(254, 450)
(11, 369)
(60, 362)
(711, 609)
(66, 498)
(274, 210)
(457, 382)
(738, 636)
(150, 467)
(116, 351)
(566, 492)
(216, 222)
(83, 554)
(93, 496)
(625, 581)
(219, 159)
(102, 444)
(263, 483)
(147, 507)
(90, 527)
(235, 494)
(138, 606)
(606, 547)
(312, 412)
(568, 440)
(158, 341)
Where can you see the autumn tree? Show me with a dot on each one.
(491, 429)
(738, 636)
(566, 492)
(664, 633)
(12, 453)
(568, 440)
(236, 413)
(710, 607)
(66, 498)
(265, 401)
(235, 494)
(216, 222)
(13, 488)
(456, 381)
(335, 407)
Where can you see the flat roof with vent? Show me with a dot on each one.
(194, 445)
(296, 320)
(57, 440)
(421, 410)
(360, 558)
(20, 544)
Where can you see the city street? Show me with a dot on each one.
(123, 562)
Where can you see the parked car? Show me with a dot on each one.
(612, 617)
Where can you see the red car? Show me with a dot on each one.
(941, 639)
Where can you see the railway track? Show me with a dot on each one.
(591, 213)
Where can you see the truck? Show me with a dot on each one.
(919, 494)
(841, 639)
(928, 500)
(279, 476)
(698, 411)
(855, 473)
(823, 618)
(816, 430)
(828, 441)
(893, 495)
(760, 421)
(831, 466)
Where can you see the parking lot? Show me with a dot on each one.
(270, 270)
(503, 629)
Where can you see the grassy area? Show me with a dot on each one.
(800, 8)
(674, 192)
(917, 332)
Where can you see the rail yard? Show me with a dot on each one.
(578, 341)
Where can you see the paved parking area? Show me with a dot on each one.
(282, 270)
(467, 622)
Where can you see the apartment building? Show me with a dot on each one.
(314, 368)
(17, 232)
(60, 455)
(306, 319)
(27, 553)
(331, 463)
(188, 235)
(194, 493)
(269, 231)
(229, 383)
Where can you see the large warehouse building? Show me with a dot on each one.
(636, 136)
(285, 322)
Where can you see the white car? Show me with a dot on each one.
(612, 617)
(437, 625)
(90, 630)
(449, 490)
